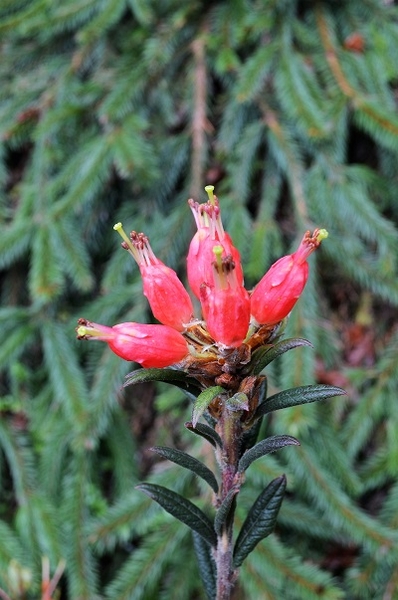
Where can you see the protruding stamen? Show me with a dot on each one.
(86, 330)
(127, 242)
(224, 269)
(209, 189)
(217, 251)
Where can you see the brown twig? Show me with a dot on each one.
(200, 123)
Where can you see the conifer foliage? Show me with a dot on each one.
(120, 110)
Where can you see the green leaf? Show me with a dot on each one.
(260, 520)
(226, 510)
(250, 436)
(187, 384)
(264, 447)
(188, 462)
(263, 356)
(298, 395)
(182, 509)
(207, 566)
(203, 401)
(237, 402)
(206, 432)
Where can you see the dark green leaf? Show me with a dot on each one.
(182, 509)
(187, 384)
(260, 520)
(206, 432)
(203, 401)
(264, 447)
(263, 356)
(250, 436)
(166, 375)
(299, 395)
(226, 510)
(207, 566)
(188, 462)
(263, 390)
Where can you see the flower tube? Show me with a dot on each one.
(149, 345)
(169, 301)
(226, 305)
(209, 234)
(278, 291)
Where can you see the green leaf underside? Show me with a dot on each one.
(203, 401)
(206, 432)
(296, 396)
(173, 376)
(225, 511)
(182, 509)
(260, 520)
(264, 447)
(188, 462)
(263, 356)
(207, 566)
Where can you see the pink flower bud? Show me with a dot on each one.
(210, 233)
(226, 305)
(169, 301)
(149, 345)
(278, 291)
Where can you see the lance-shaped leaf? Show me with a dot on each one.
(263, 356)
(203, 401)
(226, 510)
(261, 519)
(207, 566)
(298, 395)
(264, 447)
(188, 385)
(205, 432)
(188, 462)
(182, 509)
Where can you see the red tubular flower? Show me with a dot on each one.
(169, 301)
(210, 233)
(278, 291)
(226, 305)
(149, 345)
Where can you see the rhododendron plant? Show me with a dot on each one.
(220, 355)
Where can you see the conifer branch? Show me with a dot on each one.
(331, 56)
(295, 173)
(359, 102)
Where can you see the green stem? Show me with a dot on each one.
(230, 431)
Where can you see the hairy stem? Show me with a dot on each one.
(229, 429)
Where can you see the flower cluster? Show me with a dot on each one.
(233, 322)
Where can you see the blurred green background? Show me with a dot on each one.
(120, 110)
